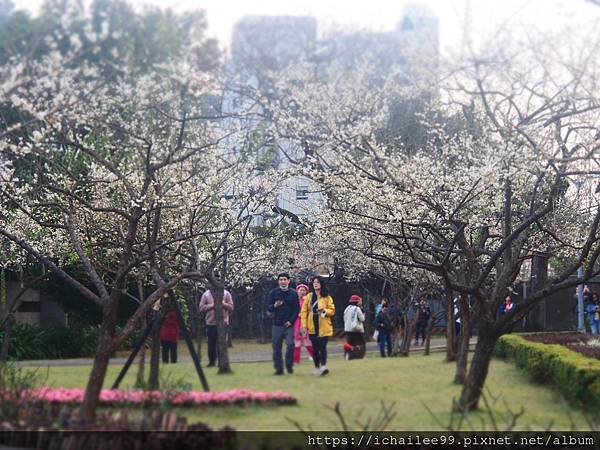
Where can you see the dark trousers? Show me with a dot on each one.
(211, 337)
(385, 339)
(278, 335)
(320, 349)
(420, 331)
(456, 328)
(357, 340)
(169, 349)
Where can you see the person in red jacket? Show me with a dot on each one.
(169, 335)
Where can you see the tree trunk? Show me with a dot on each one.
(91, 399)
(478, 371)
(153, 381)
(222, 349)
(428, 335)
(139, 381)
(8, 326)
(106, 348)
(462, 359)
(193, 315)
(398, 340)
(199, 338)
(406, 340)
(450, 327)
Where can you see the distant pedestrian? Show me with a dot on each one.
(507, 306)
(380, 305)
(422, 319)
(593, 310)
(207, 308)
(456, 317)
(316, 315)
(587, 298)
(283, 306)
(354, 329)
(385, 325)
(301, 339)
(169, 335)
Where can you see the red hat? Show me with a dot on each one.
(355, 299)
(303, 286)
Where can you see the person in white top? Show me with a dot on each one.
(354, 328)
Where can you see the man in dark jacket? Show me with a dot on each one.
(283, 306)
(423, 315)
(385, 325)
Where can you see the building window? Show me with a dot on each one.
(407, 25)
(302, 193)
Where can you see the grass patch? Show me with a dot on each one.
(360, 386)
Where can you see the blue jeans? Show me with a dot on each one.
(385, 339)
(595, 324)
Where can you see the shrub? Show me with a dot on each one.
(27, 342)
(14, 384)
(71, 342)
(35, 342)
(576, 376)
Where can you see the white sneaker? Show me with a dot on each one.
(317, 372)
(324, 370)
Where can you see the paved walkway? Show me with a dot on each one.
(334, 348)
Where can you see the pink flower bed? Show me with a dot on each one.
(110, 397)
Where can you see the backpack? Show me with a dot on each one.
(354, 323)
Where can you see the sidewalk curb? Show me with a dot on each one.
(233, 359)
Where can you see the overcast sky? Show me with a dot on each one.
(485, 16)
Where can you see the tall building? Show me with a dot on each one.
(412, 45)
(268, 43)
(262, 43)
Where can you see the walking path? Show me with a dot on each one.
(334, 348)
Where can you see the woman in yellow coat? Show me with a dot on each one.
(316, 318)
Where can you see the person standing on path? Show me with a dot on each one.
(300, 339)
(354, 328)
(283, 307)
(207, 308)
(169, 335)
(593, 310)
(385, 326)
(423, 315)
(316, 316)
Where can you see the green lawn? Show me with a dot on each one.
(360, 387)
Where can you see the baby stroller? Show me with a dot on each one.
(354, 351)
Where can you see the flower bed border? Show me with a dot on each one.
(575, 376)
(109, 397)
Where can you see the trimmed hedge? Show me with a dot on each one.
(34, 342)
(576, 376)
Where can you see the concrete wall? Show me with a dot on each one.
(35, 309)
